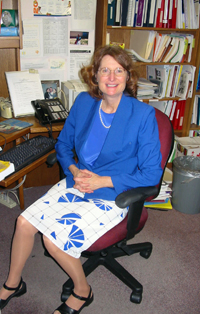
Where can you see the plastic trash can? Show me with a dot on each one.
(186, 184)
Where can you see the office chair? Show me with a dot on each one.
(113, 244)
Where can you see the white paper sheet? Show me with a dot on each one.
(23, 88)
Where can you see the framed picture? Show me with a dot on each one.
(50, 89)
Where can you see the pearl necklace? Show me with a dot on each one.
(107, 127)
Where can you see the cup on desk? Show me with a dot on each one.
(6, 111)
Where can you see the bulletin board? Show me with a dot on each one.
(57, 42)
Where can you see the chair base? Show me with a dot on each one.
(106, 258)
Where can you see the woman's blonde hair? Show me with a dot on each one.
(88, 73)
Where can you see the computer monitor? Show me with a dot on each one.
(71, 89)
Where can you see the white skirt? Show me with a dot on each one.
(70, 221)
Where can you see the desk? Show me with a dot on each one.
(37, 173)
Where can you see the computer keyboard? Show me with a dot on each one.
(28, 151)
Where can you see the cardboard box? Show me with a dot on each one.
(188, 146)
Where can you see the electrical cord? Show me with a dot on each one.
(48, 129)
(13, 190)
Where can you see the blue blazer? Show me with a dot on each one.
(130, 154)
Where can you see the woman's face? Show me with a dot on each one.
(111, 77)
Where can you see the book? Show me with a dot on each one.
(160, 206)
(162, 48)
(13, 125)
(172, 52)
(6, 168)
(182, 42)
(9, 31)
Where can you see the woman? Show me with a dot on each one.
(117, 144)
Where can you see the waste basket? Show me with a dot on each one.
(186, 184)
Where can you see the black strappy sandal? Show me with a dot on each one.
(20, 290)
(65, 309)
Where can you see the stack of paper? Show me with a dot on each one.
(147, 89)
(162, 201)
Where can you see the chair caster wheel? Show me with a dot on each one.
(136, 297)
(146, 254)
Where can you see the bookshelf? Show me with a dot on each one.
(10, 48)
(123, 33)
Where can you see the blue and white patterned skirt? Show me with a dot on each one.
(70, 221)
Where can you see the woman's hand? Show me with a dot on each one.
(87, 181)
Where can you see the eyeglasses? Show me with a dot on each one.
(106, 72)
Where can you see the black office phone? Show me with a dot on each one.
(49, 110)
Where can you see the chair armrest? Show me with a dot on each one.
(134, 199)
(139, 194)
(51, 159)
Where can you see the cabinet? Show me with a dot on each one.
(10, 48)
(122, 34)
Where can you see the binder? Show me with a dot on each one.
(165, 15)
(160, 13)
(136, 11)
(176, 115)
(182, 112)
(111, 12)
(118, 12)
(174, 13)
(145, 13)
(170, 7)
(171, 115)
(171, 94)
(152, 13)
(139, 21)
(124, 12)
(131, 8)
(148, 11)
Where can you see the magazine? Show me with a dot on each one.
(13, 125)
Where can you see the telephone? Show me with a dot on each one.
(49, 110)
